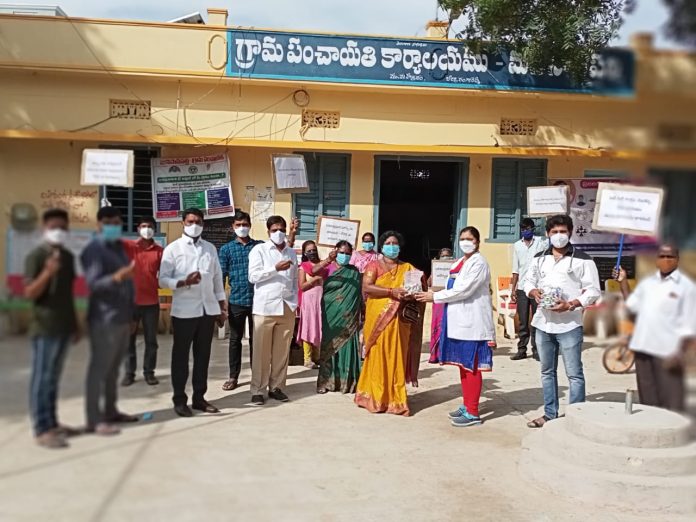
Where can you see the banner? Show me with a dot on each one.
(201, 182)
(425, 63)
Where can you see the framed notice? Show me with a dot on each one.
(290, 173)
(107, 167)
(547, 201)
(627, 209)
(332, 230)
(440, 274)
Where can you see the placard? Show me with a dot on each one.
(547, 200)
(201, 182)
(290, 173)
(332, 230)
(628, 209)
(440, 273)
(107, 167)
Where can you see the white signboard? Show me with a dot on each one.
(332, 230)
(628, 209)
(201, 182)
(290, 173)
(547, 201)
(107, 167)
(440, 274)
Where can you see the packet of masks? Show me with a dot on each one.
(550, 296)
(413, 281)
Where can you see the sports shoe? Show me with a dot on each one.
(459, 412)
(278, 395)
(257, 400)
(466, 420)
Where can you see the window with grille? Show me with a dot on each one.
(511, 177)
(135, 203)
(329, 185)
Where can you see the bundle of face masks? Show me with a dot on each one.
(550, 297)
(413, 281)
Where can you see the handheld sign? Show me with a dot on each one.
(547, 201)
(107, 167)
(332, 230)
(290, 173)
(627, 209)
(440, 274)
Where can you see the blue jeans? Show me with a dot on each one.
(569, 344)
(47, 364)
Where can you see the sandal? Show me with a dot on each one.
(538, 423)
(230, 384)
(322, 391)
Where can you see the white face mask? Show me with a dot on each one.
(242, 231)
(193, 230)
(55, 236)
(559, 240)
(467, 246)
(278, 237)
(147, 232)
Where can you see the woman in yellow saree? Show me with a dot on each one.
(393, 333)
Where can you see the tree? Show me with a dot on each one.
(545, 33)
(681, 25)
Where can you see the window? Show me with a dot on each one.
(135, 203)
(509, 196)
(328, 176)
(679, 211)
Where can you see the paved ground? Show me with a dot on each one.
(315, 458)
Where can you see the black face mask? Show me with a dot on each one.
(312, 255)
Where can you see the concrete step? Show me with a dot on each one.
(648, 427)
(637, 493)
(558, 442)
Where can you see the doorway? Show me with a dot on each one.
(425, 200)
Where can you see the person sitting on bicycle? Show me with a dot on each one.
(664, 305)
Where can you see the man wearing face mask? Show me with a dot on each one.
(274, 274)
(234, 262)
(665, 309)
(571, 277)
(523, 253)
(108, 272)
(190, 267)
(49, 275)
(147, 256)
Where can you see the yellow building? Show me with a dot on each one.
(436, 142)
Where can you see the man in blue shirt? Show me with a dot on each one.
(234, 261)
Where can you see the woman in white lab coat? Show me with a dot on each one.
(467, 325)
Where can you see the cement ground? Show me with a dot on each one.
(315, 458)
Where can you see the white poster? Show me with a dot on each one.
(290, 173)
(332, 230)
(627, 209)
(201, 182)
(107, 167)
(262, 206)
(547, 201)
(440, 274)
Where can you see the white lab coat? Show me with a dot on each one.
(469, 310)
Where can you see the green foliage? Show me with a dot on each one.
(544, 33)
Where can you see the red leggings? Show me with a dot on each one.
(471, 389)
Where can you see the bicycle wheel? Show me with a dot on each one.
(618, 359)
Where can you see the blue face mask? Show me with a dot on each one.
(111, 232)
(342, 258)
(527, 234)
(391, 251)
(368, 246)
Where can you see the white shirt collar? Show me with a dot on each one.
(674, 276)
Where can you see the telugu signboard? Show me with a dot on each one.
(547, 201)
(107, 167)
(426, 63)
(332, 230)
(627, 209)
(201, 182)
(290, 173)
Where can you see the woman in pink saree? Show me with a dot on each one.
(436, 322)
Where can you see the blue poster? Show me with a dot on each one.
(424, 63)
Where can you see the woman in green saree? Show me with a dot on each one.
(339, 358)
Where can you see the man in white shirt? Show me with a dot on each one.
(523, 251)
(665, 306)
(571, 275)
(273, 272)
(190, 267)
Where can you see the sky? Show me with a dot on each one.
(388, 17)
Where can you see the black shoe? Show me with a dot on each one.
(128, 380)
(521, 354)
(278, 395)
(151, 379)
(257, 400)
(205, 407)
(535, 355)
(182, 410)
